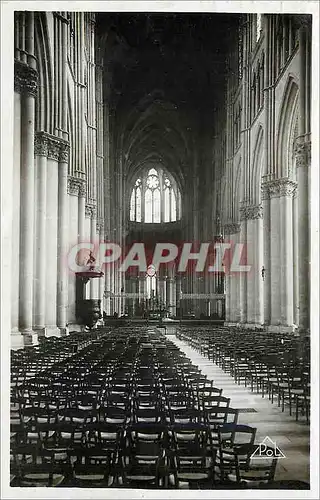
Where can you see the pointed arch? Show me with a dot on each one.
(153, 196)
(222, 203)
(44, 102)
(70, 128)
(257, 168)
(154, 130)
(238, 191)
(287, 122)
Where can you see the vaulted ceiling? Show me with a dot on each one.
(167, 77)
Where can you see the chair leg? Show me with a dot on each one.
(297, 409)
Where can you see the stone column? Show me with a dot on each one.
(259, 289)
(275, 256)
(253, 214)
(41, 153)
(233, 315)
(243, 276)
(178, 295)
(81, 211)
(101, 281)
(142, 290)
(170, 295)
(250, 250)
(16, 338)
(303, 160)
(26, 82)
(108, 289)
(228, 298)
(73, 192)
(52, 224)
(266, 262)
(237, 280)
(287, 278)
(295, 260)
(174, 296)
(281, 252)
(81, 217)
(62, 272)
(91, 212)
(228, 281)
(162, 290)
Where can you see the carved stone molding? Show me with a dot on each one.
(265, 191)
(25, 79)
(41, 144)
(82, 188)
(73, 186)
(90, 211)
(232, 228)
(64, 152)
(302, 151)
(53, 149)
(251, 212)
(51, 146)
(100, 225)
(278, 188)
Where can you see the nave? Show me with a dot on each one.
(135, 408)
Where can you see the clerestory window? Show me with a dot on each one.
(155, 198)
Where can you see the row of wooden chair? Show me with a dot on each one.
(272, 365)
(128, 409)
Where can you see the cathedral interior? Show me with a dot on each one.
(178, 131)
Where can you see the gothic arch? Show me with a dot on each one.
(153, 132)
(44, 103)
(237, 195)
(257, 168)
(287, 122)
(70, 128)
(222, 207)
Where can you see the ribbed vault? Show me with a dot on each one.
(153, 133)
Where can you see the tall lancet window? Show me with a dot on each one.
(170, 205)
(155, 198)
(152, 205)
(135, 202)
(258, 26)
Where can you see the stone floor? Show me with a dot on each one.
(290, 436)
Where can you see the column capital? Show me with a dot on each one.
(51, 146)
(302, 151)
(64, 152)
(82, 188)
(251, 212)
(76, 186)
(232, 228)
(265, 195)
(100, 225)
(278, 188)
(90, 211)
(25, 79)
(40, 144)
(73, 186)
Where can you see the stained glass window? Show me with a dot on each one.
(258, 26)
(155, 198)
(173, 207)
(148, 206)
(166, 203)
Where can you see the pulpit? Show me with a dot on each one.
(88, 311)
